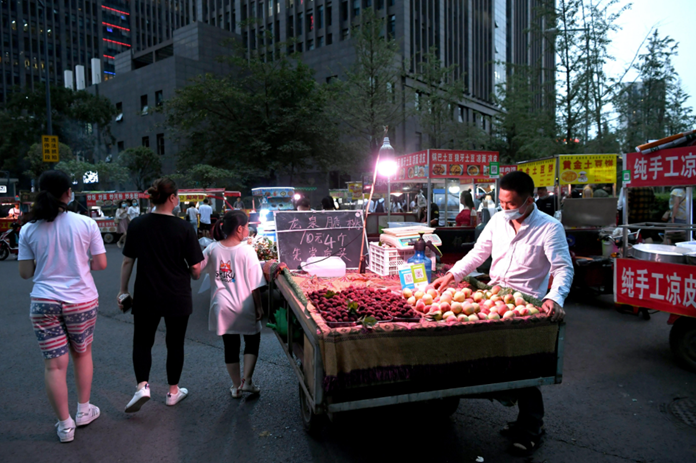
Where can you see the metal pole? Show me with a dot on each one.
(388, 200)
(625, 210)
(430, 187)
(49, 123)
(690, 211)
(446, 200)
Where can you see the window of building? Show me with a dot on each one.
(329, 39)
(320, 16)
(160, 144)
(159, 99)
(299, 23)
(331, 79)
(367, 3)
(143, 104)
(356, 8)
(310, 44)
(391, 2)
(320, 42)
(344, 11)
(299, 47)
(345, 34)
(419, 141)
(310, 22)
(291, 26)
(329, 20)
(380, 4)
(146, 142)
(392, 25)
(120, 146)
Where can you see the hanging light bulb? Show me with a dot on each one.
(387, 166)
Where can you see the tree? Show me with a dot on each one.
(36, 164)
(203, 176)
(264, 118)
(678, 116)
(370, 94)
(143, 165)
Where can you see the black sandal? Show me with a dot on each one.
(524, 445)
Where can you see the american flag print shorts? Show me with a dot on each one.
(58, 323)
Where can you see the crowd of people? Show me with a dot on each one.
(59, 249)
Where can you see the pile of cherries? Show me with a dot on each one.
(355, 304)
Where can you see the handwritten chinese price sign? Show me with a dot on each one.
(673, 167)
(302, 235)
(542, 172)
(654, 285)
(587, 168)
(49, 147)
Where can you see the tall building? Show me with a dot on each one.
(77, 31)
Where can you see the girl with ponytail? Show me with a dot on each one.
(54, 248)
(235, 301)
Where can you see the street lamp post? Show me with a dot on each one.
(49, 124)
(387, 167)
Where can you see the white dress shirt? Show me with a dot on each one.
(523, 260)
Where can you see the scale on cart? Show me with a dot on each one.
(402, 238)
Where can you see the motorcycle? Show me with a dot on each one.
(6, 248)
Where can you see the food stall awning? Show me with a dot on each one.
(113, 197)
(436, 164)
(200, 194)
(670, 167)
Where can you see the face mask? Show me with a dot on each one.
(513, 214)
(123, 205)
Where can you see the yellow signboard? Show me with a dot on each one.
(49, 145)
(356, 190)
(587, 168)
(542, 172)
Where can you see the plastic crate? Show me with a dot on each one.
(386, 260)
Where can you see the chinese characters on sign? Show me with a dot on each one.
(412, 166)
(106, 199)
(457, 164)
(49, 147)
(542, 172)
(655, 285)
(587, 168)
(672, 167)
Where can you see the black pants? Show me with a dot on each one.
(144, 339)
(531, 414)
(233, 343)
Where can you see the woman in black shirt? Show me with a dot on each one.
(168, 255)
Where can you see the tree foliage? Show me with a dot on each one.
(142, 164)
(35, 163)
(264, 118)
(204, 176)
(370, 93)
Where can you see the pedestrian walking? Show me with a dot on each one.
(122, 221)
(168, 255)
(205, 212)
(133, 210)
(193, 214)
(235, 301)
(54, 248)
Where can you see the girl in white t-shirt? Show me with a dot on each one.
(54, 248)
(235, 301)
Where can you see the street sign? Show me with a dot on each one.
(626, 174)
(494, 169)
(49, 145)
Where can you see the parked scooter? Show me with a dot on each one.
(9, 241)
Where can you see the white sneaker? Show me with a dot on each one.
(85, 418)
(178, 397)
(139, 398)
(65, 434)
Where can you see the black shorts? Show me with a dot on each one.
(204, 226)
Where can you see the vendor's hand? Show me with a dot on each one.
(555, 311)
(259, 313)
(443, 281)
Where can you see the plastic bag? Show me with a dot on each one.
(205, 242)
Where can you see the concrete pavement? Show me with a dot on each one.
(619, 378)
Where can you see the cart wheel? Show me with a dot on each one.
(682, 340)
(312, 422)
(108, 238)
(445, 407)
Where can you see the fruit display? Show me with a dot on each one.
(361, 305)
(464, 305)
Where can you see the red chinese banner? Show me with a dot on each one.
(456, 164)
(654, 285)
(671, 167)
(503, 170)
(107, 199)
(412, 166)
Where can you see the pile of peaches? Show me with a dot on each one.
(466, 305)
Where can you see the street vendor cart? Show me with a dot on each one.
(662, 276)
(351, 367)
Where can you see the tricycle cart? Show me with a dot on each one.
(352, 368)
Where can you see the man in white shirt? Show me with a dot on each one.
(526, 246)
(133, 211)
(192, 215)
(205, 212)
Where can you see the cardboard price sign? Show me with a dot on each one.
(655, 285)
(671, 167)
(542, 172)
(587, 168)
(306, 234)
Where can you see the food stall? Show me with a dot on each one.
(361, 340)
(8, 203)
(102, 205)
(219, 198)
(659, 276)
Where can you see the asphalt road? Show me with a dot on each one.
(613, 405)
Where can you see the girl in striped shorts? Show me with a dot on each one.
(54, 248)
